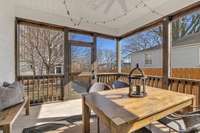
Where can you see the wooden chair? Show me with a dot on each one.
(183, 123)
(119, 84)
(9, 115)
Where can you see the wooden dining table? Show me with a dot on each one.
(124, 114)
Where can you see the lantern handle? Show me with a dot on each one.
(136, 68)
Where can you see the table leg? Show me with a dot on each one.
(85, 116)
(27, 107)
(98, 125)
(115, 129)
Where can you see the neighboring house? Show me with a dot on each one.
(185, 53)
(25, 69)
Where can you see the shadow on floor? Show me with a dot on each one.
(63, 125)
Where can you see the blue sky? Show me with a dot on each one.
(105, 43)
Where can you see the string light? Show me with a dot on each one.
(151, 9)
(78, 21)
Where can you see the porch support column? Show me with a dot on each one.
(118, 55)
(167, 40)
(94, 53)
(67, 65)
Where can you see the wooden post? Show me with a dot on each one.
(85, 116)
(118, 56)
(94, 53)
(67, 65)
(17, 33)
(94, 60)
(167, 40)
(27, 106)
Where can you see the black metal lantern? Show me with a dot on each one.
(137, 83)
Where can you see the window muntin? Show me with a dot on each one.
(80, 37)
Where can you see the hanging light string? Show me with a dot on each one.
(153, 11)
(78, 21)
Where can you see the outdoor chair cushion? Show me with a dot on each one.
(11, 95)
(175, 125)
(119, 84)
(99, 87)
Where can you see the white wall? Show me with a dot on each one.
(7, 63)
(182, 57)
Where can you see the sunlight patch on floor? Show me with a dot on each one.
(61, 109)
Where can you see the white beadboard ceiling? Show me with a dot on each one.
(53, 11)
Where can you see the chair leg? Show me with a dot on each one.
(150, 127)
(98, 125)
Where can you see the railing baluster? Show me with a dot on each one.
(33, 86)
(52, 84)
(38, 87)
(43, 88)
(56, 88)
(28, 89)
(47, 88)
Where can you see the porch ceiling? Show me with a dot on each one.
(135, 14)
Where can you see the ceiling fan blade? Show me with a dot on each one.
(108, 6)
(123, 4)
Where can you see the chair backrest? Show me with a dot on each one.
(192, 119)
(119, 84)
(99, 87)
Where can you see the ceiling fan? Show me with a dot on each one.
(108, 4)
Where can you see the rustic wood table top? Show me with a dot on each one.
(124, 114)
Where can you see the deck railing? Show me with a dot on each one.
(43, 88)
(108, 77)
(182, 85)
(49, 87)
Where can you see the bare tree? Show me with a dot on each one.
(181, 27)
(41, 48)
(106, 57)
(186, 25)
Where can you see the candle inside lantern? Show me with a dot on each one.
(137, 90)
(137, 83)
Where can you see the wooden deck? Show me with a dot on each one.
(68, 115)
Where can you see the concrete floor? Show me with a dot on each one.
(68, 114)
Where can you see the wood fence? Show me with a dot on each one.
(189, 73)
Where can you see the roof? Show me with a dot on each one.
(187, 40)
(112, 17)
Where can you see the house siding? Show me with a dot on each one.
(182, 57)
(139, 58)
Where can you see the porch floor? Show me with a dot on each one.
(66, 116)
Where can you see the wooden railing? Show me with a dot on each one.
(107, 77)
(49, 87)
(43, 88)
(188, 86)
(182, 85)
